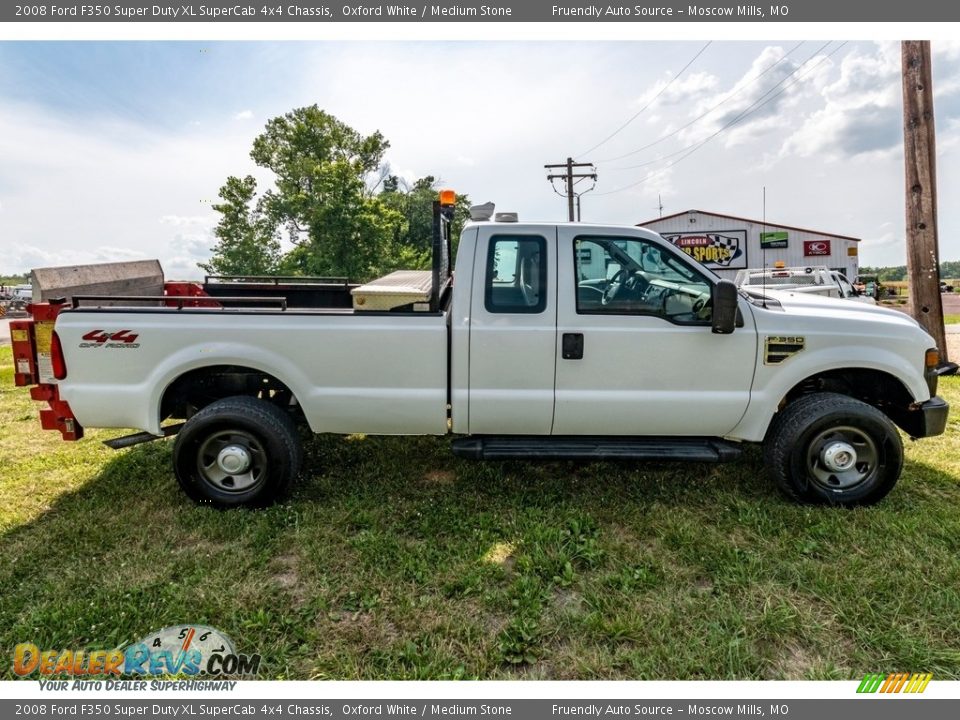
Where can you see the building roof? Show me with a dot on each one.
(755, 222)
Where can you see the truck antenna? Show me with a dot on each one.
(763, 248)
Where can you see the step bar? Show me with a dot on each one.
(522, 447)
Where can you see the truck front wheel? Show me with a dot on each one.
(830, 448)
(239, 451)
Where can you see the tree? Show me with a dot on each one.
(322, 196)
(247, 240)
(333, 194)
(415, 202)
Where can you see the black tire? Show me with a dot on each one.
(206, 452)
(806, 442)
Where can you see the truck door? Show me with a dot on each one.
(513, 327)
(635, 351)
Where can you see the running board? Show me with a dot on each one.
(142, 437)
(503, 447)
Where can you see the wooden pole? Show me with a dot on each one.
(919, 146)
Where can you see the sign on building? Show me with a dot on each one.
(724, 250)
(814, 248)
(773, 240)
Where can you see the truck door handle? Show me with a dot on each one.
(572, 346)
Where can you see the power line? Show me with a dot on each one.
(710, 110)
(651, 101)
(747, 112)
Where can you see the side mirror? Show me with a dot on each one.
(724, 300)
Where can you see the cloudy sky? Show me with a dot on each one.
(110, 151)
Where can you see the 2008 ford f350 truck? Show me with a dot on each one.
(554, 341)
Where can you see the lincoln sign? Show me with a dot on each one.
(723, 249)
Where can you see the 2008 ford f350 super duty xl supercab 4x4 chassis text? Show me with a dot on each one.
(554, 341)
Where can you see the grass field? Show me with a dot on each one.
(394, 560)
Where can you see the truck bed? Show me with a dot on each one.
(369, 372)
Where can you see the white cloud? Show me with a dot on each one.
(758, 102)
(108, 190)
(188, 221)
(187, 250)
(26, 257)
(685, 90)
(860, 110)
(243, 115)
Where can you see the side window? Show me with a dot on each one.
(632, 276)
(516, 277)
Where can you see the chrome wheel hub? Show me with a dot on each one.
(234, 459)
(838, 456)
(842, 457)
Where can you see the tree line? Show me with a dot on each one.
(948, 269)
(333, 197)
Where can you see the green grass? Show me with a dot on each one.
(395, 560)
(951, 319)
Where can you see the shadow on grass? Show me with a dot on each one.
(392, 559)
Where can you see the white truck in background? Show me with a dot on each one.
(816, 280)
(556, 340)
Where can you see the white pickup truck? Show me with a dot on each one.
(815, 280)
(554, 341)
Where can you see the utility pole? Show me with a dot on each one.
(919, 145)
(571, 178)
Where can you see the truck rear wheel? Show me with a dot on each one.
(830, 448)
(239, 451)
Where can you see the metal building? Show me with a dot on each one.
(726, 243)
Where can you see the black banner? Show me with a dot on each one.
(493, 11)
(873, 708)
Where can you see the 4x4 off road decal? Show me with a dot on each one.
(720, 249)
(107, 339)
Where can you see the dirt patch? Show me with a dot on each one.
(953, 347)
(285, 574)
(567, 601)
(796, 661)
(702, 585)
(195, 544)
(365, 629)
(439, 477)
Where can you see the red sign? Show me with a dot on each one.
(813, 248)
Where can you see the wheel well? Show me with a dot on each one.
(874, 387)
(194, 390)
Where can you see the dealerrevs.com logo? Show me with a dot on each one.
(189, 650)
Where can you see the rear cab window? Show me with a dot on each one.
(516, 274)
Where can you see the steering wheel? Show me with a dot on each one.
(637, 284)
(613, 287)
